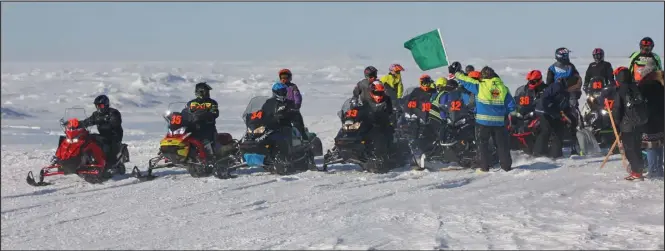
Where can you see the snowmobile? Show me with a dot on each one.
(358, 143)
(80, 152)
(178, 149)
(599, 95)
(523, 127)
(279, 150)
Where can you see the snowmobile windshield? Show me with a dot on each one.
(254, 105)
(352, 113)
(76, 112)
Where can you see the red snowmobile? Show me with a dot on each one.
(80, 152)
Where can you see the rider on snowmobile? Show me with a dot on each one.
(599, 68)
(361, 90)
(286, 113)
(204, 111)
(380, 108)
(393, 81)
(293, 94)
(109, 125)
(425, 91)
(638, 59)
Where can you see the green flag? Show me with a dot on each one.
(428, 50)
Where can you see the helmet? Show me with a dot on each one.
(646, 45)
(284, 75)
(487, 73)
(440, 83)
(371, 72)
(535, 78)
(622, 75)
(474, 74)
(426, 82)
(562, 54)
(469, 69)
(451, 85)
(102, 103)
(397, 68)
(598, 54)
(279, 91)
(377, 91)
(202, 90)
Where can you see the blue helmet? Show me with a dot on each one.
(279, 91)
(562, 54)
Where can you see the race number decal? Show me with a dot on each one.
(176, 119)
(256, 115)
(456, 105)
(352, 113)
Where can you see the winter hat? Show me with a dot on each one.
(649, 67)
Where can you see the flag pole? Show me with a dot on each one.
(443, 44)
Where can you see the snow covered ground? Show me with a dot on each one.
(544, 204)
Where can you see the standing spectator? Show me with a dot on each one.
(652, 89)
(630, 115)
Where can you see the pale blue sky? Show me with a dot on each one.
(260, 30)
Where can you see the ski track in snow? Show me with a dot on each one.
(543, 204)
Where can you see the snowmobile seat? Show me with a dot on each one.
(224, 138)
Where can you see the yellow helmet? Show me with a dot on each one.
(441, 82)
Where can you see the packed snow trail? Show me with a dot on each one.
(543, 204)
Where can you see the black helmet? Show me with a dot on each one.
(202, 90)
(371, 72)
(646, 44)
(487, 73)
(102, 103)
(469, 68)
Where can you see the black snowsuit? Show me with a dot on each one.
(631, 134)
(602, 69)
(553, 100)
(204, 112)
(286, 117)
(109, 125)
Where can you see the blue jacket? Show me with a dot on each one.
(493, 99)
(553, 99)
(444, 100)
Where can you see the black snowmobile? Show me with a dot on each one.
(358, 142)
(599, 95)
(456, 145)
(279, 150)
(523, 127)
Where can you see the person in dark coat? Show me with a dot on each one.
(651, 87)
(631, 132)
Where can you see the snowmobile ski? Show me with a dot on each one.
(136, 173)
(31, 179)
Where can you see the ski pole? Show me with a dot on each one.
(607, 157)
(616, 134)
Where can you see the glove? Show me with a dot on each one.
(455, 67)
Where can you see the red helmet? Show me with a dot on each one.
(535, 78)
(396, 68)
(377, 91)
(284, 75)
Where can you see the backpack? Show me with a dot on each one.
(635, 108)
